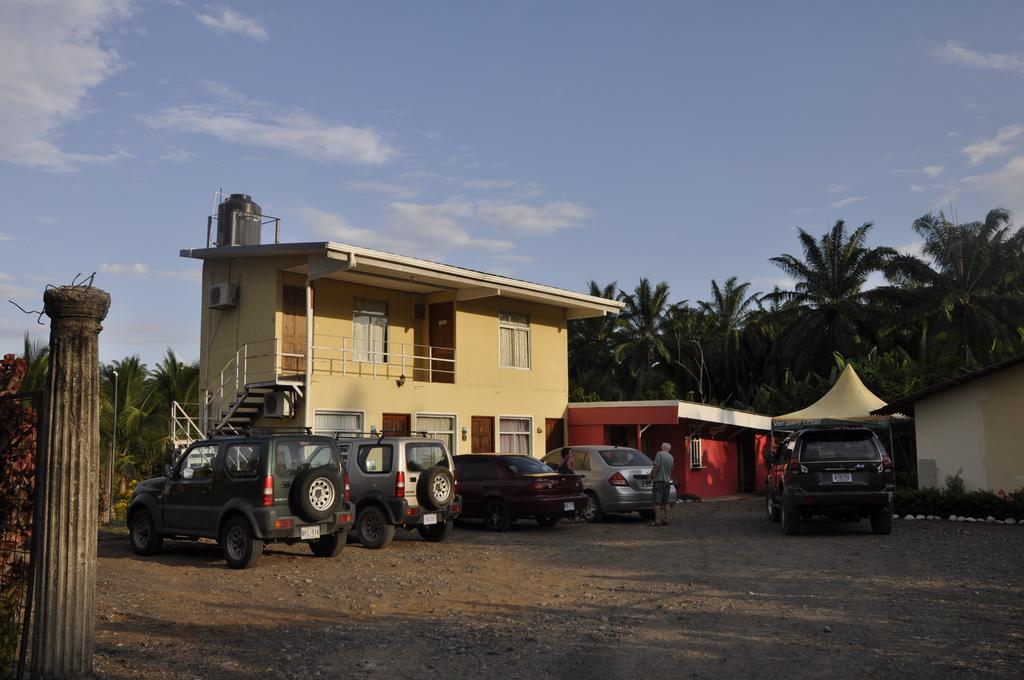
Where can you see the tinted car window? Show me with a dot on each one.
(242, 461)
(292, 456)
(476, 470)
(200, 461)
(419, 457)
(375, 458)
(839, 446)
(624, 457)
(523, 465)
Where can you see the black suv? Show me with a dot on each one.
(244, 491)
(841, 473)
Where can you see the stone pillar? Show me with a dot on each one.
(64, 547)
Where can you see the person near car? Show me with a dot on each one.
(661, 477)
(565, 467)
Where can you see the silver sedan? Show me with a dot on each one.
(615, 478)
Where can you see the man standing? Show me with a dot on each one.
(661, 477)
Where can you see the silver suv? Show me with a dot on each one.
(615, 478)
(404, 482)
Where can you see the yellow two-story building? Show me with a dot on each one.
(347, 340)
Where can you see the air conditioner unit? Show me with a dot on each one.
(222, 296)
(277, 405)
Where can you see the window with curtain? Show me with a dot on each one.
(514, 435)
(370, 331)
(513, 340)
(438, 427)
(338, 423)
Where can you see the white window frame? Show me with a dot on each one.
(432, 433)
(529, 433)
(369, 355)
(514, 327)
(696, 453)
(340, 412)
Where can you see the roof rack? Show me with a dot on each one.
(278, 430)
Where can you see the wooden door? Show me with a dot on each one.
(293, 330)
(554, 434)
(483, 434)
(395, 424)
(442, 342)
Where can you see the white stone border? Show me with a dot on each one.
(957, 518)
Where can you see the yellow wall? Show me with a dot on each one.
(482, 388)
(976, 428)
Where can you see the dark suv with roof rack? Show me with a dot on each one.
(244, 491)
(839, 473)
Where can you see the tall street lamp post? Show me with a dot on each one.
(110, 465)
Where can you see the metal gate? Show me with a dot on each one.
(19, 453)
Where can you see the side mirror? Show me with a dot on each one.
(187, 473)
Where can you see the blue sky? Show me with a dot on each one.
(557, 142)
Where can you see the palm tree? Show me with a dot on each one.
(728, 310)
(968, 286)
(140, 430)
(641, 346)
(833, 307)
(592, 366)
(37, 358)
(174, 381)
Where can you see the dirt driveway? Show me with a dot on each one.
(719, 593)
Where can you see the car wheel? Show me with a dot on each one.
(329, 546)
(373, 528)
(496, 516)
(315, 493)
(790, 519)
(435, 533)
(881, 522)
(646, 514)
(239, 544)
(593, 511)
(774, 514)
(435, 488)
(548, 520)
(142, 534)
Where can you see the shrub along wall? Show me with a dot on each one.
(945, 502)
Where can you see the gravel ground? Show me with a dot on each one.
(718, 593)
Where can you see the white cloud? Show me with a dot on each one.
(1002, 185)
(231, 21)
(136, 270)
(918, 188)
(5, 237)
(996, 146)
(334, 227)
(6, 277)
(932, 170)
(533, 219)
(835, 188)
(297, 133)
(915, 249)
(176, 155)
(849, 200)
(518, 259)
(393, 190)
(439, 226)
(50, 57)
(955, 53)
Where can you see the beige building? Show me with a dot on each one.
(346, 340)
(971, 425)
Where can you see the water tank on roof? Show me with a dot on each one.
(238, 221)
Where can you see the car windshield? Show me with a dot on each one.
(421, 456)
(524, 465)
(829, 446)
(624, 457)
(292, 456)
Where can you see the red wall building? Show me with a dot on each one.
(717, 452)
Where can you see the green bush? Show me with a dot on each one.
(943, 503)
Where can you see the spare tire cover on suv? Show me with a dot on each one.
(317, 492)
(435, 488)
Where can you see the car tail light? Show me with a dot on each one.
(282, 524)
(348, 487)
(400, 485)
(268, 491)
(618, 480)
(542, 484)
(412, 512)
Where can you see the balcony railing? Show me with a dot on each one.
(336, 355)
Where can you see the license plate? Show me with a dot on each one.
(306, 533)
(430, 518)
(842, 477)
(570, 506)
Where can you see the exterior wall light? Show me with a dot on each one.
(465, 433)
(401, 380)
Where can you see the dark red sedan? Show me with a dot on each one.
(499, 489)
